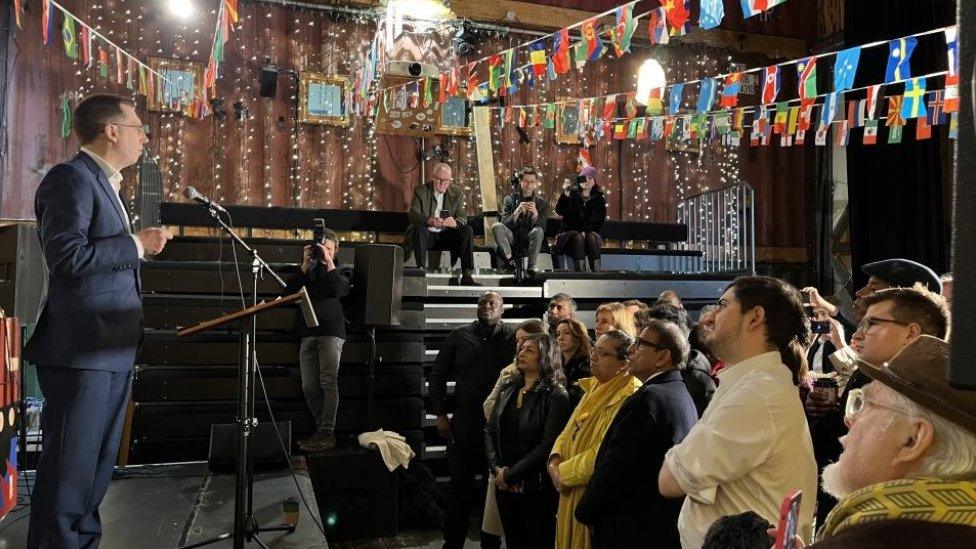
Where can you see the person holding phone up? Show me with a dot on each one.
(584, 211)
(522, 226)
(438, 221)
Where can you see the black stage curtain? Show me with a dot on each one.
(896, 191)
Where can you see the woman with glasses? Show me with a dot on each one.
(573, 455)
(574, 345)
(531, 412)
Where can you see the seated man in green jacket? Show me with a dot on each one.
(438, 222)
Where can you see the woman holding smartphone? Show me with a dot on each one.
(583, 209)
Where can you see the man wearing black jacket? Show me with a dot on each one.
(321, 346)
(694, 371)
(473, 355)
(621, 503)
(522, 226)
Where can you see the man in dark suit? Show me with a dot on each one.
(621, 504)
(438, 221)
(90, 324)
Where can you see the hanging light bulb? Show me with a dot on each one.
(181, 8)
(650, 76)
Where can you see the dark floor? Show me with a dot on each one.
(166, 506)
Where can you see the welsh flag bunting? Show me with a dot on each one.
(494, 73)
(550, 121)
(507, 78)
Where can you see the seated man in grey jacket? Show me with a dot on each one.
(522, 227)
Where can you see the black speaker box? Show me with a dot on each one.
(265, 446)
(22, 272)
(269, 81)
(355, 494)
(378, 284)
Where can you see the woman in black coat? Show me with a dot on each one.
(531, 412)
(584, 211)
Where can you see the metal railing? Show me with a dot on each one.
(721, 225)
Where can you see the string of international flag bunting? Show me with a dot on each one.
(597, 116)
(790, 118)
(502, 77)
(84, 43)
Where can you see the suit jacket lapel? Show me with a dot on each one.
(106, 187)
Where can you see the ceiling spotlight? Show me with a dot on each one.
(181, 8)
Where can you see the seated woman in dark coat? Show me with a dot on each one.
(583, 210)
(574, 346)
(531, 412)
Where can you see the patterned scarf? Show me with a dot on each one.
(930, 500)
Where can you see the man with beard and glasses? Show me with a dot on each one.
(907, 476)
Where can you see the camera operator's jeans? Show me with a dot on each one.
(505, 240)
(319, 362)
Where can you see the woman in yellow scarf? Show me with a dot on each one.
(573, 454)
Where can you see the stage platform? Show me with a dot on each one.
(166, 506)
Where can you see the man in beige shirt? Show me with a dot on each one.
(752, 446)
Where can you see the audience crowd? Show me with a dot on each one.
(669, 432)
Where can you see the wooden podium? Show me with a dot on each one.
(246, 527)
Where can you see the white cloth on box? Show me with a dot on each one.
(392, 446)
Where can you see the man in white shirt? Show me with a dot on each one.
(752, 446)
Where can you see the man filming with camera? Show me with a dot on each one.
(321, 346)
(522, 226)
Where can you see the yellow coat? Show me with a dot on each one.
(578, 445)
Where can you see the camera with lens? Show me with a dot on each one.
(318, 237)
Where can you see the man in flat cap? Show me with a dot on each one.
(907, 477)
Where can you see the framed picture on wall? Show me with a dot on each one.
(567, 123)
(176, 92)
(454, 119)
(322, 99)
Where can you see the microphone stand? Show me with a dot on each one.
(246, 527)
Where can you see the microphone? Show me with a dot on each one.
(192, 194)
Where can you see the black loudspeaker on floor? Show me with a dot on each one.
(355, 494)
